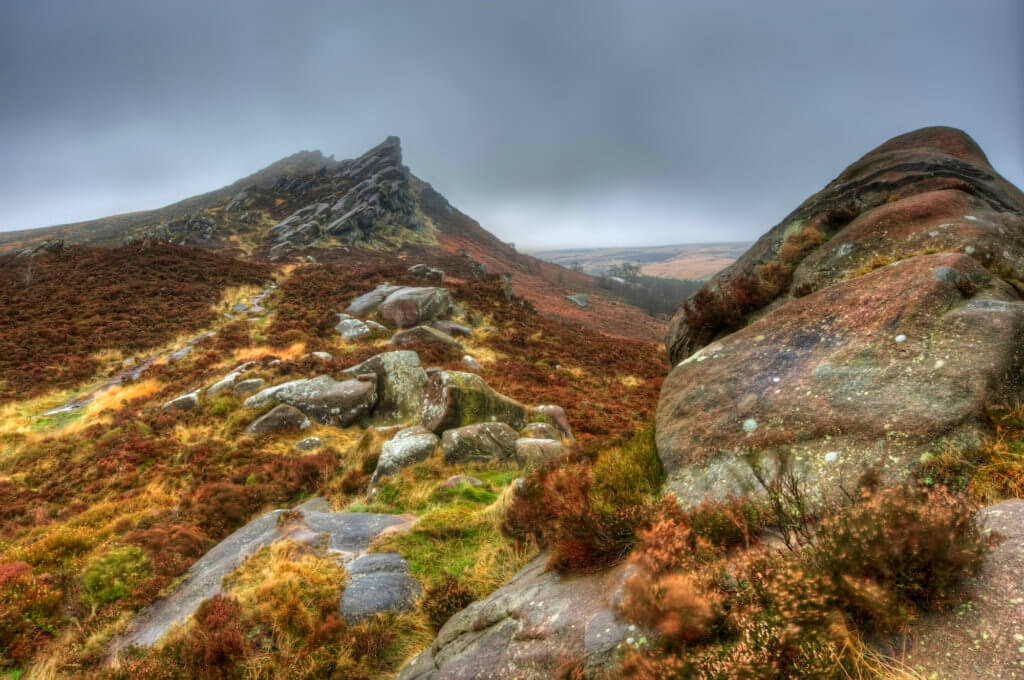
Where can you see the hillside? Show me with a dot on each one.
(308, 206)
(327, 426)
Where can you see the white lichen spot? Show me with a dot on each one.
(901, 338)
(749, 425)
(933, 234)
(969, 250)
(970, 218)
(831, 456)
(775, 379)
(940, 363)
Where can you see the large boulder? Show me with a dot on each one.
(531, 628)
(400, 381)
(456, 398)
(410, 446)
(479, 443)
(534, 452)
(928, 190)
(411, 306)
(378, 583)
(555, 416)
(894, 322)
(324, 399)
(352, 329)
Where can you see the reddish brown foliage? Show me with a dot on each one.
(217, 642)
(444, 600)
(29, 610)
(90, 299)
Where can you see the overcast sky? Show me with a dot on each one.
(555, 124)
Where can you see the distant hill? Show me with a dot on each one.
(687, 261)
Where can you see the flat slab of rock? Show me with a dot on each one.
(249, 386)
(377, 583)
(456, 398)
(324, 399)
(407, 307)
(425, 335)
(980, 639)
(347, 533)
(480, 442)
(870, 372)
(281, 417)
(529, 629)
(400, 381)
(451, 328)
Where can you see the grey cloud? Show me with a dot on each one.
(554, 124)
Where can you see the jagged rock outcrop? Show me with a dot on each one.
(410, 446)
(480, 443)
(891, 319)
(196, 230)
(409, 306)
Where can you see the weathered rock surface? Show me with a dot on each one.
(871, 372)
(425, 272)
(400, 381)
(931, 189)
(542, 431)
(408, 307)
(424, 335)
(324, 399)
(455, 481)
(482, 442)
(348, 533)
(579, 299)
(472, 364)
(281, 417)
(455, 398)
(981, 638)
(309, 444)
(378, 582)
(532, 452)
(529, 629)
(408, 447)
(856, 364)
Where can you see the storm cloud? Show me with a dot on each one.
(555, 124)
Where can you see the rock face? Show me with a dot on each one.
(529, 629)
(281, 417)
(853, 366)
(408, 307)
(400, 381)
(185, 402)
(979, 641)
(455, 398)
(555, 416)
(482, 442)
(352, 329)
(346, 532)
(409, 446)
(378, 582)
(324, 399)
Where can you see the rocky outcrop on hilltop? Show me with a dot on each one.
(874, 323)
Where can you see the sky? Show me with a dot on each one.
(554, 124)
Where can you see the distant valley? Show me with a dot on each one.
(687, 261)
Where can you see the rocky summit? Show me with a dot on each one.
(321, 424)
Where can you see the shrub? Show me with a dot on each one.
(913, 544)
(588, 514)
(29, 611)
(216, 643)
(110, 577)
(444, 600)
